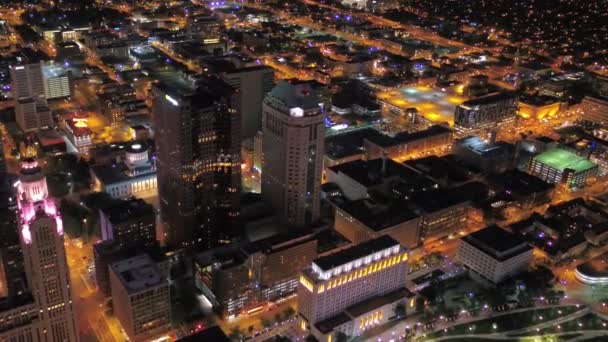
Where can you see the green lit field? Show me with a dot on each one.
(561, 159)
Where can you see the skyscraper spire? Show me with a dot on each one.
(41, 235)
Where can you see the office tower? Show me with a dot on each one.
(253, 83)
(198, 158)
(44, 256)
(485, 112)
(31, 110)
(294, 134)
(128, 222)
(141, 298)
(353, 289)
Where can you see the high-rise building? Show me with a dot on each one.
(31, 110)
(485, 112)
(127, 222)
(354, 289)
(293, 142)
(41, 233)
(253, 84)
(141, 298)
(198, 158)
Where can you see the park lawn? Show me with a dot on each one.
(508, 322)
(588, 322)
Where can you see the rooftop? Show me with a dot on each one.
(405, 137)
(124, 210)
(490, 98)
(295, 94)
(561, 159)
(356, 252)
(497, 242)
(378, 217)
(137, 273)
(374, 172)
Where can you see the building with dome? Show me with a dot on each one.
(131, 173)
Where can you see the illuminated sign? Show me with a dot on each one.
(80, 122)
(172, 100)
(19, 68)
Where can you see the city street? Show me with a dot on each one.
(90, 304)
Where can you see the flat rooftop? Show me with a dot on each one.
(378, 217)
(137, 273)
(126, 210)
(356, 252)
(435, 105)
(497, 242)
(561, 159)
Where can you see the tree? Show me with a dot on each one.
(250, 329)
(266, 323)
(400, 310)
(289, 312)
(342, 337)
(236, 333)
(278, 318)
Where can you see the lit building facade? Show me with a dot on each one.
(134, 175)
(334, 288)
(293, 142)
(42, 242)
(595, 110)
(57, 82)
(79, 135)
(485, 112)
(254, 277)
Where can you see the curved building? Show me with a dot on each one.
(594, 272)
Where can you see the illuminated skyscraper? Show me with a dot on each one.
(41, 235)
(198, 167)
(293, 147)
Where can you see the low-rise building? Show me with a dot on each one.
(494, 254)
(134, 175)
(404, 144)
(485, 112)
(364, 220)
(562, 166)
(595, 110)
(250, 278)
